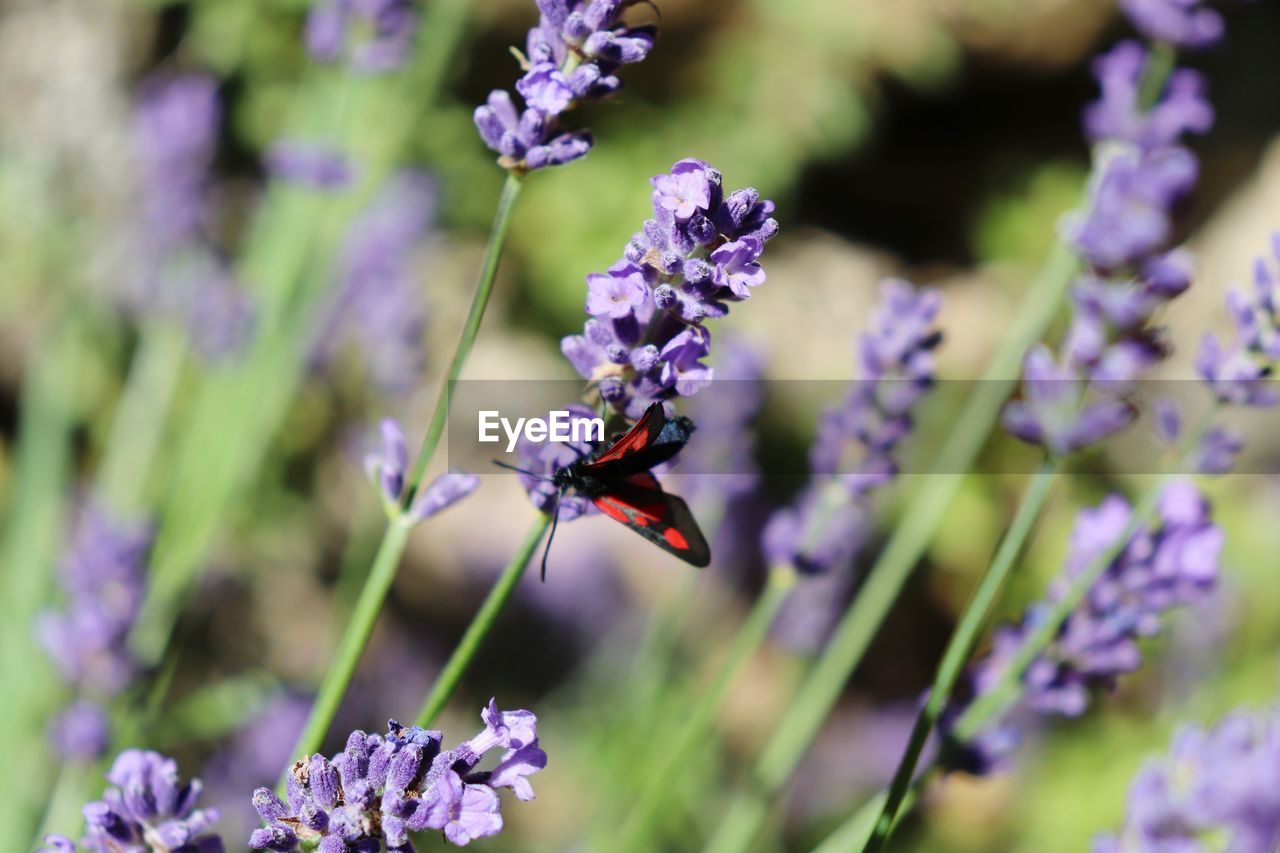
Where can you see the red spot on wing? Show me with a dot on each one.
(675, 539)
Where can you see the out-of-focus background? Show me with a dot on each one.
(933, 139)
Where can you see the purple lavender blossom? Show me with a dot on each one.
(1217, 789)
(146, 810)
(1130, 206)
(81, 731)
(374, 36)
(1239, 373)
(101, 574)
(1171, 565)
(1076, 399)
(853, 452)
(572, 55)
(718, 461)
(309, 164)
(377, 309)
(541, 459)
(383, 787)
(1118, 115)
(175, 132)
(646, 340)
(387, 469)
(1181, 23)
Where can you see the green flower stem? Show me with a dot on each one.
(962, 643)
(819, 691)
(479, 301)
(395, 538)
(41, 465)
(855, 831)
(1007, 688)
(363, 617)
(465, 652)
(683, 750)
(287, 256)
(140, 417)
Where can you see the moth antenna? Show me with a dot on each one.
(527, 473)
(555, 521)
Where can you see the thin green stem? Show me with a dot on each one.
(140, 416)
(1006, 689)
(394, 539)
(962, 643)
(363, 617)
(683, 750)
(479, 301)
(465, 652)
(818, 693)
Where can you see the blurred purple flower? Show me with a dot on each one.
(252, 758)
(718, 462)
(387, 469)
(374, 36)
(853, 453)
(1182, 108)
(1217, 789)
(309, 164)
(377, 309)
(81, 731)
(1173, 564)
(1180, 23)
(175, 132)
(571, 55)
(383, 787)
(146, 810)
(1239, 374)
(101, 575)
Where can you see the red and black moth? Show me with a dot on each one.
(618, 479)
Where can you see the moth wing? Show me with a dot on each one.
(664, 519)
(642, 435)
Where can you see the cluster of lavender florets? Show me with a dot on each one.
(102, 578)
(1216, 789)
(383, 787)
(372, 36)
(182, 276)
(147, 810)
(573, 54)
(1173, 564)
(387, 467)
(1124, 234)
(646, 339)
(377, 308)
(853, 452)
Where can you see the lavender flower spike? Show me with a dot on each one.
(381, 788)
(646, 338)
(374, 36)
(1239, 373)
(387, 468)
(853, 452)
(572, 55)
(147, 810)
(1182, 23)
(1215, 790)
(1172, 564)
